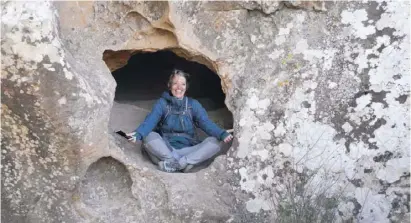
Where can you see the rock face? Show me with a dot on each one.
(319, 94)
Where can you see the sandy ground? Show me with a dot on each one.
(126, 117)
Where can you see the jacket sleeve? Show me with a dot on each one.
(203, 122)
(150, 121)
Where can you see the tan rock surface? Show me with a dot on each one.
(320, 102)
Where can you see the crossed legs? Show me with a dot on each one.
(158, 150)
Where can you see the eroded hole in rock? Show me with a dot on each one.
(106, 193)
(142, 78)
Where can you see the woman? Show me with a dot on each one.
(174, 145)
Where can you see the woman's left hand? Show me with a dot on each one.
(228, 138)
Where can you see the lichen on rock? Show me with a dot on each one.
(319, 92)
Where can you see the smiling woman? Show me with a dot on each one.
(178, 83)
(176, 118)
(169, 130)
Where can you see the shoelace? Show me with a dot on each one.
(171, 166)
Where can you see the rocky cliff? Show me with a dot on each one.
(319, 93)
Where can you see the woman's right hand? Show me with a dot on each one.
(228, 138)
(132, 136)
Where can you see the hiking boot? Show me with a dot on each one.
(188, 168)
(169, 166)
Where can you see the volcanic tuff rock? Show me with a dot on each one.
(319, 94)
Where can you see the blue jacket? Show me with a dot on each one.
(177, 128)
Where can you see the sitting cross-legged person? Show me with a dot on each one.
(169, 130)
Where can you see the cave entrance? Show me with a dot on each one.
(142, 77)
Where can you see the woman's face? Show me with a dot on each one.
(178, 86)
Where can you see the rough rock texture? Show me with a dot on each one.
(320, 100)
(116, 59)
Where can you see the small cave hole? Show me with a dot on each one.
(106, 192)
(142, 77)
